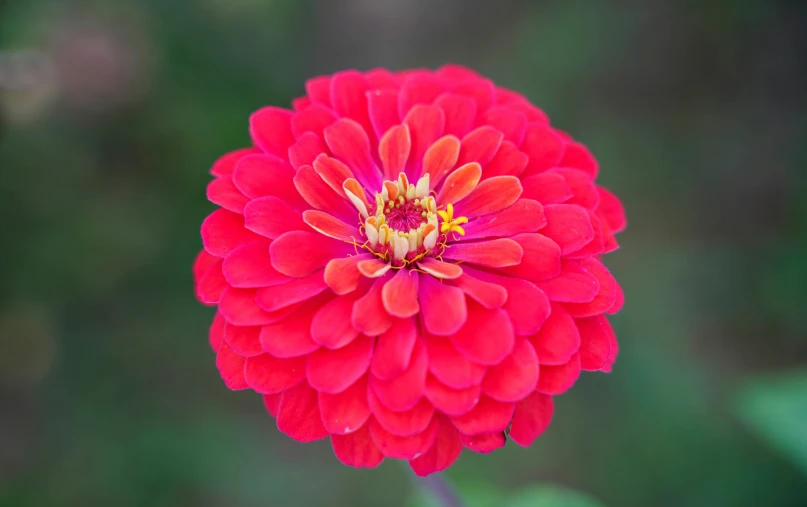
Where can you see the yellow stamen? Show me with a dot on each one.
(451, 224)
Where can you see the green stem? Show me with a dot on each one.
(440, 488)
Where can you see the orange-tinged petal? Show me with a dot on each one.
(440, 269)
(460, 183)
(440, 158)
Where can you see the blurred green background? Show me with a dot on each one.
(112, 112)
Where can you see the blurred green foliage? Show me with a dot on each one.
(696, 112)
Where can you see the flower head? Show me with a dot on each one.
(409, 264)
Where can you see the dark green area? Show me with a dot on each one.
(696, 110)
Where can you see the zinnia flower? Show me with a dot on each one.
(409, 264)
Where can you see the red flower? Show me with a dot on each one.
(409, 264)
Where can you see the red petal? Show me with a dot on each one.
(454, 72)
(594, 247)
(249, 266)
(451, 401)
(406, 423)
(558, 339)
(223, 231)
(510, 123)
(576, 155)
(474, 339)
(491, 195)
(418, 89)
(369, 315)
(523, 216)
(400, 295)
(261, 175)
(291, 337)
(584, 192)
(488, 416)
(440, 158)
(272, 403)
(442, 306)
(382, 78)
(482, 91)
(459, 113)
(487, 294)
(348, 96)
(459, 183)
(546, 188)
(270, 129)
(544, 148)
(440, 269)
(611, 209)
(231, 368)
(394, 446)
(313, 119)
(532, 418)
(318, 89)
(595, 342)
(333, 371)
(568, 226)
(271, 217)
(244, 340)
(480, 145)
(349, 143)
(613, 343)
(393, 350)
(426, 126)
(393, 150)
(210, 285)
(342, 275)
(203, 262)
(604, 298)
(483, 444)
(267, 374)
(619, 301)
(541, 260)
(451, 367)
(331, 326)
(509, 160)
(527, 305)
(357, 449)
(300, 253)
(515, 377)
(443, 452)
(301, 103)
(495, 253)
(382, 106)
(298, 414)
(216, 332)
(274, 298)
(330, 226)
(225, 165)
(405, 390)
(347, 411)
(239, 307)
(320, 195)
(307, 148)
(221, 191)
(573, 284)
(559, 379)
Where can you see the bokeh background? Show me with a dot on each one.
(113, 110)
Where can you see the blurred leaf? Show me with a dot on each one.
(776, 409)
(551, 496)
(534, 496)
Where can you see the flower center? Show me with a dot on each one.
(404, 224)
